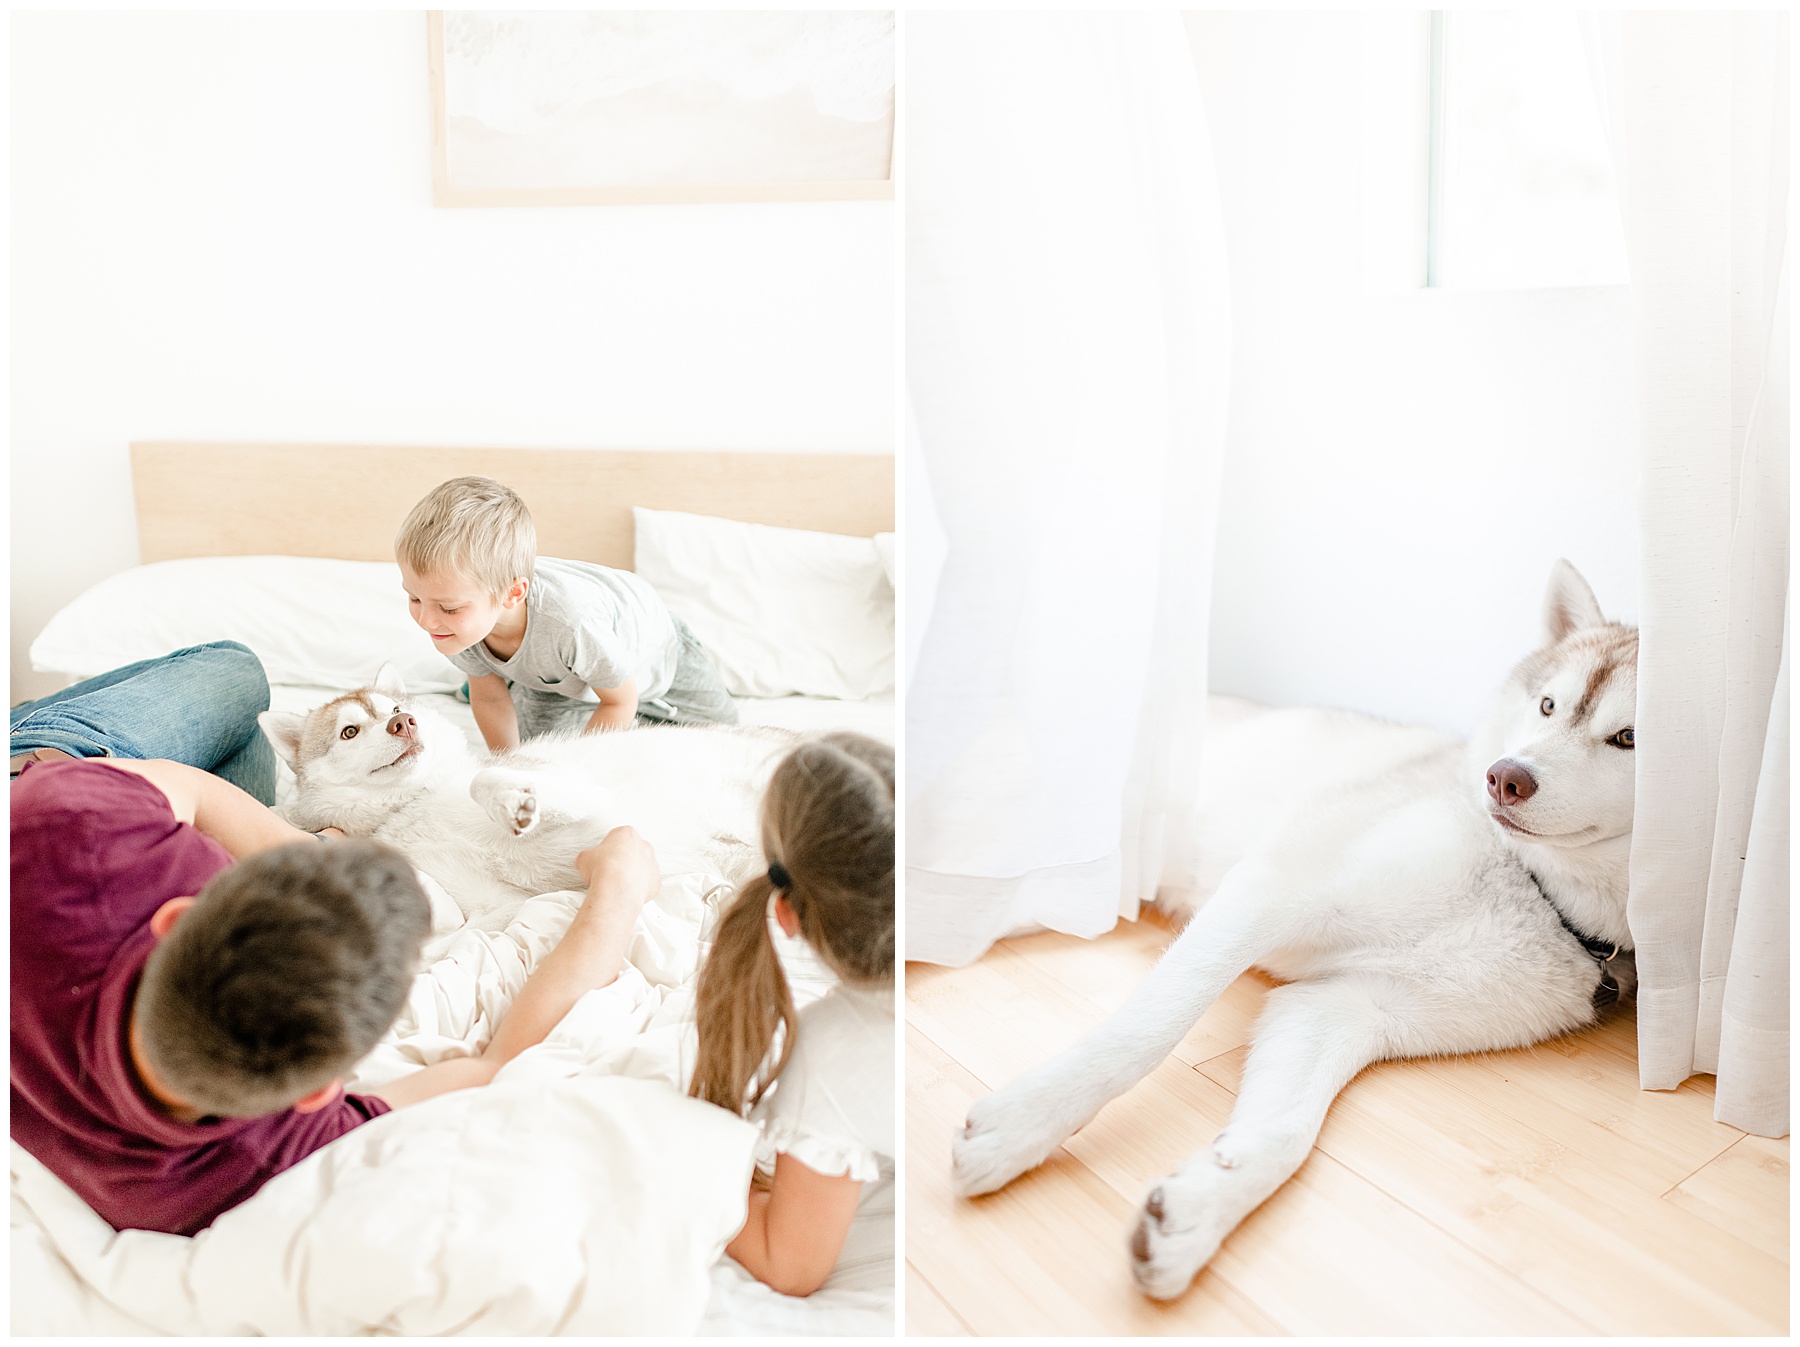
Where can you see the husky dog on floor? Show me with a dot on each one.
(493, 832)
(1415, 895)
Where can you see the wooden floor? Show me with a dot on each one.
(1531, 1192)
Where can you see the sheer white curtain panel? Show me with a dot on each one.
(1068, 343)
(1698, 110)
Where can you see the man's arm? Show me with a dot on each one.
(617, 709)
(495, 715)
(232, 818)
(621, 876)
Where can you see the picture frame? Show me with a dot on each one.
(618, 107)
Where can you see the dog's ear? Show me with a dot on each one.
(389, 681)
(1569, 605)
(283, 729)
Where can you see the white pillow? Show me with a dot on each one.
(310, 620)
(780, 611)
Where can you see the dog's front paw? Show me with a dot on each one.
(1003, 1138)
(1178, 1231)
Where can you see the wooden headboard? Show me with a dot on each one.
(209, 500)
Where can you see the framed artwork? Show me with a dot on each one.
(584, 108)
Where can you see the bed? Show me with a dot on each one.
(582, 1192)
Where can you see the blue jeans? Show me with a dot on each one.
(197, 706)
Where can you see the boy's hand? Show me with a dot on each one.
(624, 864)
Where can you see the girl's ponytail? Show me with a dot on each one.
(828, 831)
(741, 1001)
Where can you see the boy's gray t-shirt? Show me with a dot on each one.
(586, 626)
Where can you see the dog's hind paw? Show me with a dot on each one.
(514, 808)
(522, 813)
(1177, 1233)
(507, 797)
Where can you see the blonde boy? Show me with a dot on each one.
(548, 645)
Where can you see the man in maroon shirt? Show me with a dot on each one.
(192, 977)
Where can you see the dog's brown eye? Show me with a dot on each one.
(1623, 739)
(1547, 705)
(349, 732)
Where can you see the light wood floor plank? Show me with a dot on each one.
(1561, 1224)
(1104, 971)
(1585, 1094)
(1000, 1016)
(1745, 1192)
(927, 1316)
(990, 1281)
(1332, 1254)
(1531, 1192)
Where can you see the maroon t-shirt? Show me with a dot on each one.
(95, 851)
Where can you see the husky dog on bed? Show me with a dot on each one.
(495, 831)
(1415, 896)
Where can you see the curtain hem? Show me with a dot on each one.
(961, 916)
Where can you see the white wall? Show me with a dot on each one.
(1402, 469)
(222, 228)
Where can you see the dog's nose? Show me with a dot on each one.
(1509, 783)
(403, 725)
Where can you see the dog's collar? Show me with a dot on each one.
(1597, 948)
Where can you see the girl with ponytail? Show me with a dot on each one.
(820, 1081)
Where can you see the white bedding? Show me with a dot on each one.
(581, 1193)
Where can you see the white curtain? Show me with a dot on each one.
(924, 542)
(1067, 357)
(1698, 106)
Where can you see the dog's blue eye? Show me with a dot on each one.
(349, 732)
(1547, 705)
(1623, 739)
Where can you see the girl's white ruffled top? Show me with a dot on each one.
(832, 1109)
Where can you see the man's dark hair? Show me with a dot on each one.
(284, 973)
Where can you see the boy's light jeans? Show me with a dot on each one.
(197, 706)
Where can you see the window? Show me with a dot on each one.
(1522, 190)
(1486, 163)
